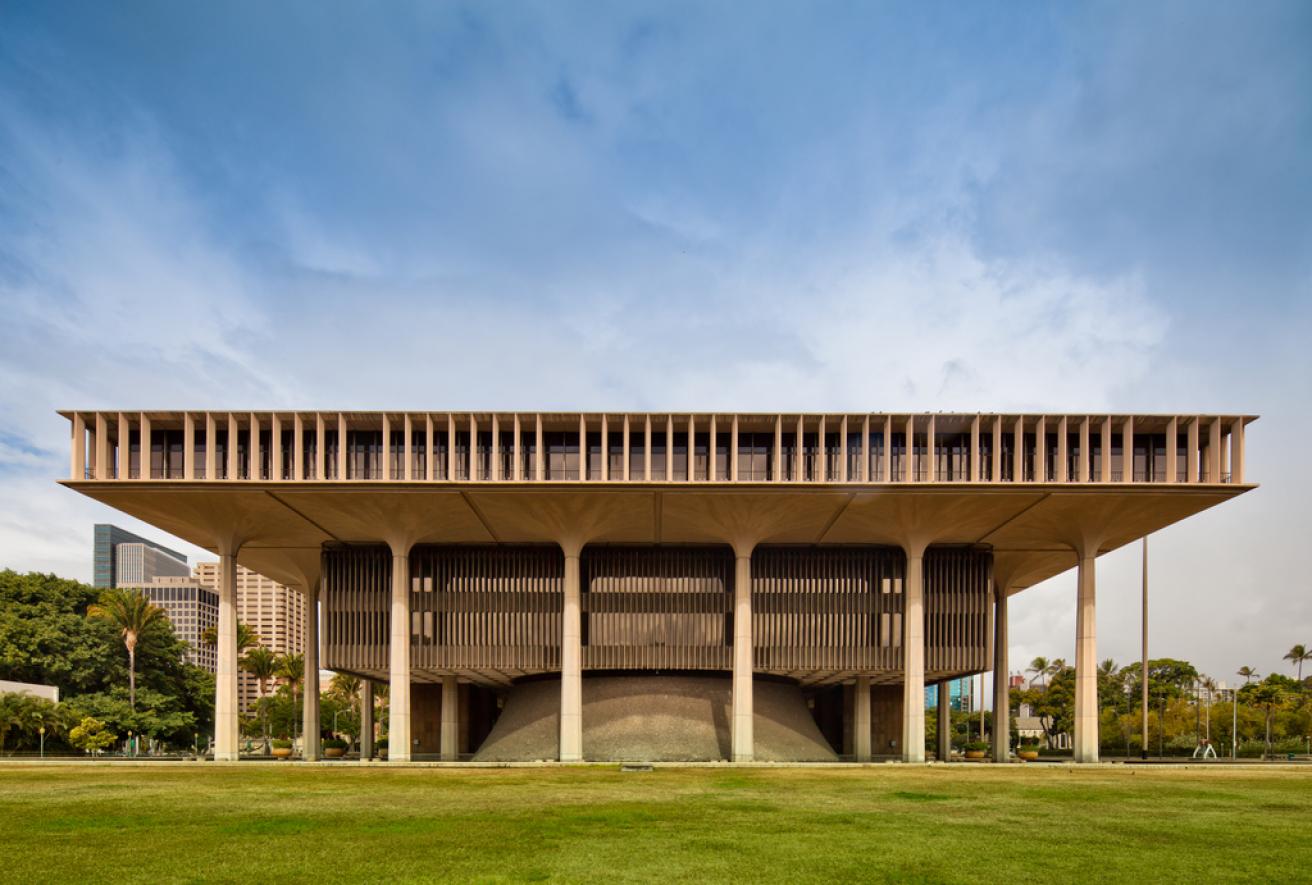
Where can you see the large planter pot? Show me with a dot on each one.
(282, 752)
(382, 754)
(975, 754)
(333, 752)
(1028, 755)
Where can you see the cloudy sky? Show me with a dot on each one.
(828, 206)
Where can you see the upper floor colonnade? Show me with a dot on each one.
(513, 447)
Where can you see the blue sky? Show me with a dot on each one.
(549, 205)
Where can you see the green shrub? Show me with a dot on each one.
(977, 745)
(334, 744)
(281, 744)
(382, 744)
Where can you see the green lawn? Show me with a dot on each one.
(967, 823)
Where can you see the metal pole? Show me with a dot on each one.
(1143, 673)
(1234, 724)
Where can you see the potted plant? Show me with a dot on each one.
(334, 748)
(382, 748)
(1029, 749)
(976, 749)
(282, 748)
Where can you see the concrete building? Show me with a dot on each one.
(142, 563)
(961, 694)
(273, 611)
(599, 586)
(191, 607)
(160, 560)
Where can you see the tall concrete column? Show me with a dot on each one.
(367, 719)
(1001, 689)
(913, 659)
(450, 736)
(943, 709)
(398, 700)
(1086, 662)
(861, 719)
(225, 673)
(742, 740)
(571, 664)
(311, 678)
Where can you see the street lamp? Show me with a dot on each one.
(42, 732)
(132, 745)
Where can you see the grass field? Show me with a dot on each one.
(288, 823)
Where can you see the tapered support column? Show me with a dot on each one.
(1086, 665)
(450, 719)
(943, 707)
(1001, 689)
(913, 660)
(367, 719)
(861, 719)
(310, 727)
(225, 674)
(571, 666)
(398, 691)
(743, 741)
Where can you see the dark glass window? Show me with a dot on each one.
(364, 454)
(701, 456)
(680, 457)
(331, 453)
(1072, 457)
(658, 455)
(528, 450)
(483, 457)
(789, 457)
(506, 454)
(810, 457)
(462, 455)
(897, 451)
(876, 464)
(637, 454)
(854, 457)
(594, 456)
(722, 441)
(562, 455)
(754, 456)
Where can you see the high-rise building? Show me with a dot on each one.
(275, 613)
(141, 563)
(961, 694)
(741, 586)
(105, 557)
(190, 607)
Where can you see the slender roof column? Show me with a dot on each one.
(996, 466)
(571, 663)
(398, 728)
(211, 448)
(1018, 451)
(1086, 660)
(495, 471)
(232, 448)
(253, 449)
(1191, 450)
(519, 452)
(125, 448)
(407, 447)
(225, 671)
(583, 448)
(430, 449)
(540, 455)
(1172, 449)
(669, 448)
(450, 734)
(822, 453)
(1001, 688)
(931, 441)
(275, 447)
(188, 446)
(100, 451)
(1041, 449)
(861, 719)
(1127, 451)
(342, 449)
(473, 448)
(625, 448)
(298, 447)
(865, 449)
(842, 450)
(692, 446)
(974, 449)
(1214, 450)
(1105, 464)
(909, 455)
(605, 448)
(78, 467)
(711, 454)
(733, 449)
(320, 447)
(1237, 451)
(742, 739)
(451, 457)
(886, 456)
(799, 458)
(1063, 454)
(310, 678)
(1084, 461)
(143, 461)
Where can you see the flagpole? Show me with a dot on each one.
(1143, 673)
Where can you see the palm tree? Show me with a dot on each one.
(131, 614)
(1297, 655)
(262, 664)
(1040, 667)
(291, 668)
(246, 638)
(1248, 673)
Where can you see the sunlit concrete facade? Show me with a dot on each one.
(850, 557)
